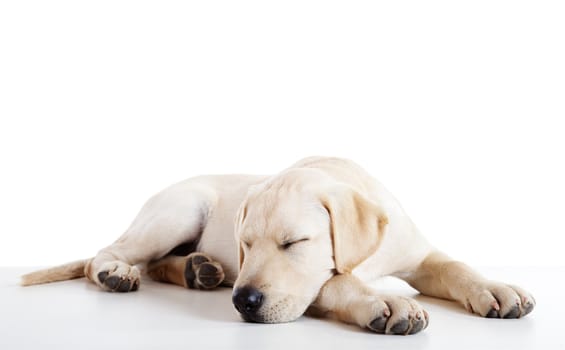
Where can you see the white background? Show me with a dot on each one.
(457, 107)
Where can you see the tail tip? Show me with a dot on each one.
(26, 280)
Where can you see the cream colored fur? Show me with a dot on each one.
(309, 238)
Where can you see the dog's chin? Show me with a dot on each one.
(267, 320)
(275, 315)
(251, 318)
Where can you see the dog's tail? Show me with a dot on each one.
(64, 272)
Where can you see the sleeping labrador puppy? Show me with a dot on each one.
(307, 239)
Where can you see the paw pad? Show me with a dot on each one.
(202, 273)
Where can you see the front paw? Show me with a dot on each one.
(400, 316)
(499, 300)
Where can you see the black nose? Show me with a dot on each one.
(247, 301)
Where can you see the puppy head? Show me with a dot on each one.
(293, 236)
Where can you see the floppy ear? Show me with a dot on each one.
(241, 256)
(239, 218)
(357, 226)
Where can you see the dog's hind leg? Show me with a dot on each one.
(176, 215)
(196, 271)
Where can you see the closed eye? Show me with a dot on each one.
(287, 245)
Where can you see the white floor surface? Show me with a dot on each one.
(76, 315)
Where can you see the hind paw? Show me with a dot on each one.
(201, 272)
(117, 276)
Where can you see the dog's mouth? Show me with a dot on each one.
(274, 312)
(253, 318)
(254, 306)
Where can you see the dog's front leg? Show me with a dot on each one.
(346, 298)
(440, 276)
